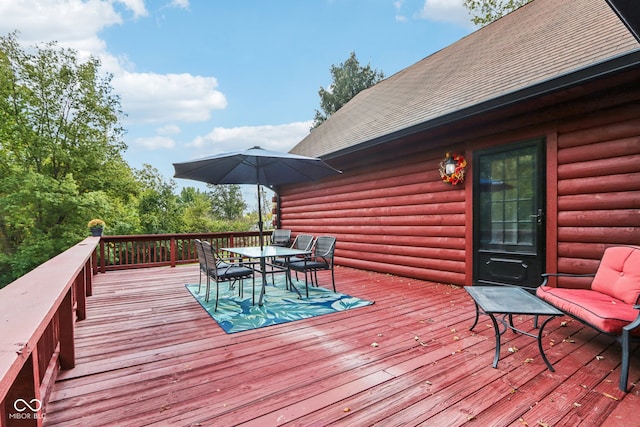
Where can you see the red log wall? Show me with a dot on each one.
(391, 212)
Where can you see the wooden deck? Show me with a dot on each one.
(147, 354)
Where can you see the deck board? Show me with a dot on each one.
(147, 354)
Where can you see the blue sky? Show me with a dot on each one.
(200, 77)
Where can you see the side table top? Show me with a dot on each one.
(509, 300)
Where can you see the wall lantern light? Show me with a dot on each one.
(452, 169)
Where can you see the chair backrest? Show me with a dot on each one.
(325, 247)
(211, 256)
(201, 256)
(303, 242)
(619, 274)
(280, 236)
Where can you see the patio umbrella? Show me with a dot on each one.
(255, 166)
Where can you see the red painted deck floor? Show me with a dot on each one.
(148, 354)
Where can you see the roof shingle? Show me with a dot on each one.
(540, 41)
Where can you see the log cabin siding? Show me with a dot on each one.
(598, 187)
(394, 216)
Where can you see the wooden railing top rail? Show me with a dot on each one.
(28, 305)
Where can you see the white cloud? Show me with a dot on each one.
(151, 97)
(180, 4)
(168, 130)
(155, 142)
(451, 11)
(146, 97)
(278, 138)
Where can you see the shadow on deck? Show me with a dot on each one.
(147, 353)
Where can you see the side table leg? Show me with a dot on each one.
(475, 322)
(544, 357)
(498, 334)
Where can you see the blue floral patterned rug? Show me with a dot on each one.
(237, 314)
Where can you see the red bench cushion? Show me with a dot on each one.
(619, 274)
(606, 313)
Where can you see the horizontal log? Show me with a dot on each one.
(434, 231)
(602, 116)
(381, 200)
(600, 218)
(379, 192)
(614, 200)
(603, 184)
(624, 129)
(437, 276)
(431, 209)
(413, 241)
(591, 251)
(611, 235)
(602, 150)
(406, 261)
(577, 265)
(600, 167)
(409, 203)
(414, 251)
(335, 219)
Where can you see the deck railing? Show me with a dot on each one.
(39, 310)
(155, 250)
(37, 316)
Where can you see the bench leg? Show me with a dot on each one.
(626, 349)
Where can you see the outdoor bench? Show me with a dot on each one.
(611, 303)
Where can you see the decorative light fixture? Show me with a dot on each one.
(452, 169)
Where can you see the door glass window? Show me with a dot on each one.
(507, 199)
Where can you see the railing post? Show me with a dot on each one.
(81, 296)
(67, 333)
(23, 403)
(103, 264)
(173, 249)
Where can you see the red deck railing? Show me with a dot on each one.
(156, 250)
(39, 310)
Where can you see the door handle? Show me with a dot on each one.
(538, 216)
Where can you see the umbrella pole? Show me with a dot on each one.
(260, 218)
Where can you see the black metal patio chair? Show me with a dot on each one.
(224, 270)
(321, 259)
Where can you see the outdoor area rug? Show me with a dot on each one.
(237, 314)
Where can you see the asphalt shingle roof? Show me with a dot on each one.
(542, 40)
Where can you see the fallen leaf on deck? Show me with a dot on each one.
(523, 422)
(374, 344)
(471, 417)
(543, 424)
(453, 331)
(577, 405)
(346, 410)
(528, 360)
(513, 349)
(610, 396)
(569, 340)
(456, 338)
(564, 323)
(599, 357)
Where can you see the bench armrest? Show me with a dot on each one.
(545, 276)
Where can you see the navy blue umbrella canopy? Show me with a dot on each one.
(255, 166)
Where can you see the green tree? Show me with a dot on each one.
(60, 152)
(484, 12)
(227, 202)
(159, 207)
(349, 78)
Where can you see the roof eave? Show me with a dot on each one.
(575, 78)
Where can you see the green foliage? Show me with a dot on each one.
(61, 164)
(60, 152)
(227, 202)
(349, 78)
(484, 12)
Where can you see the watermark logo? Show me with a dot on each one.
(26, 410)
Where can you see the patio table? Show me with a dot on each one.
(262, 254)
(509, 300)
